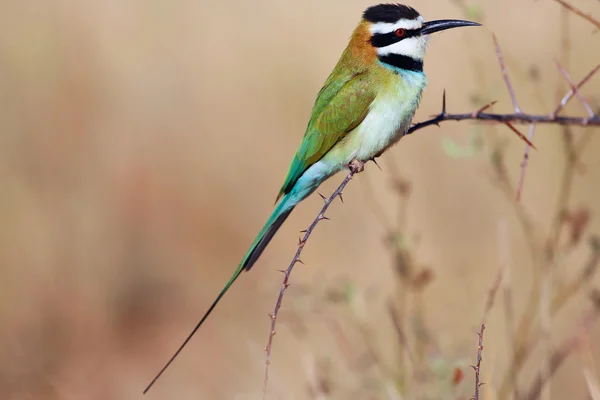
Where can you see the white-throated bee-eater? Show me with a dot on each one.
(365, 106)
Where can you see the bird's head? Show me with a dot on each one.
(399, 34)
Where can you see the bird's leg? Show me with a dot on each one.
(356, 166)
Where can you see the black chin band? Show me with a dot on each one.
(402, 62)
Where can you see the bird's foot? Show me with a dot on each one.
(356, 166)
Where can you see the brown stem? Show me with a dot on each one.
(577, 11)
(296, 259)
(477, 367)
(566, 347)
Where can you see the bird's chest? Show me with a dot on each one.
(389, 116)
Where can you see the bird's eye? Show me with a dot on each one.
(400, 32)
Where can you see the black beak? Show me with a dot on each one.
(443, 24)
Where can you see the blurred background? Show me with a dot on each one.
(142, 146)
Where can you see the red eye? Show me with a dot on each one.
(400, 32)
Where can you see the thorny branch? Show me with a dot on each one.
(504, 118)
(518, 116)
(296, 259)
(477, 367)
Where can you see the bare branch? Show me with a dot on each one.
(574, 90)
(509, 314)
(577, 11)
(295, 260)
(503, 118)
(477, 367)
(524, 163)
(511, 91)
(492, 295)
(569, 95)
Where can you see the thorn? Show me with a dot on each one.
(299, 261)
(301, 242)
(273, 332)
(323, 197)
(281, 270)
(482, 109)
(340, 196)
(270, 316)
(520, 135)
(287, 285)
(474, 367)
(322, 217)
(444, 103)
(304, 231)
(266, 349)
(375, 162)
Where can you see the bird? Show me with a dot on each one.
(364, 107)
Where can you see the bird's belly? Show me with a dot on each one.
(387, 121)
(389, 117)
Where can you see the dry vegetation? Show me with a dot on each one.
(130, 190)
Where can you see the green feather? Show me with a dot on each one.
(341, 105)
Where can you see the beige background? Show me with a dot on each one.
(142, 146)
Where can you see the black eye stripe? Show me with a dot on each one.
(386, 39)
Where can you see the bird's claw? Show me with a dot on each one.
(356, 166)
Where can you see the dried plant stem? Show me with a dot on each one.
(525, 162)
(504, 118)
(570, 95)
(528, 338)
(511, 91)
(295, 260)
(545, 313)
(509, 313)
(577, 11)
(477, 367)
(566, 347)
(575, 90)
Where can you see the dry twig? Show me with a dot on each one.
(295, 260)
(567, 347)
(477, 367)
(575, 90)
(577, 11)
(529, 338)
(569, 95)
(524, 163)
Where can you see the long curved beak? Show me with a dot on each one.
(443, 24)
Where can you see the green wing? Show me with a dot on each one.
(342, 104)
